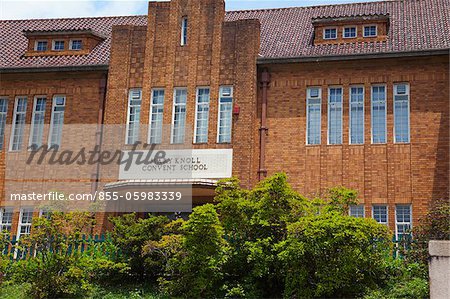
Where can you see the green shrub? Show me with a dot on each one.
(331, 255)
(130, 234)
(196, 269)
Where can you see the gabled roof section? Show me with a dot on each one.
(13, 41)
(415, 25)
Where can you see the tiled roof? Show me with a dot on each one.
(13, 42)
(415, 25)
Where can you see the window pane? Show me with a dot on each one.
(3, 114)
(378, 114)
(134, 115)
(225, 114)
(402, 220)
(18, 123)
(335, 116)
(313, 111)
(357, 211)
(156, 118)
(37, 125)
(179, 116)
(330, 33)
(6, 216)
(380, 214)
(401, 113)
(202, 118)
(356, 115)
(57, 123)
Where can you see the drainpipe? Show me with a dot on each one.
(99, 131)
(263, 130)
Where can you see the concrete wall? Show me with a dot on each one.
(439, 269)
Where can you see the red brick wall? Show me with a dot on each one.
(83, 99)
(390, 173)
(217, 53)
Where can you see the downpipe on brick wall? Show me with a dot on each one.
(263, 129)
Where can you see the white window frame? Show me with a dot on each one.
(184, 31)
(350, 114)
(370, 25)
(2, 214)
(403, 223)
(159, 125)
(329, 28)
(408, 116)
(54, 43)
(308, 90)
(33, 117)
(20, 225)
(197, 112)
(3, 119)
(359, 205)
(40, 41)
(172, 135)
(13, 128)
(385, 114)
(130, 97)
(347, 27)
(219, 120)
(52, 118)
(71, 44)
(387, 213)
(329, 114)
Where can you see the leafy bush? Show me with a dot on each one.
(196, 270)
(58, 270)
(130, 234)
(332, 255)
(435, 225)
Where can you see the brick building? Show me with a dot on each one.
(354, 94)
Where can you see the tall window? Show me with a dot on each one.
(134, 115)
(6, 216)
(357, 211)
(335, 115)
(20, 111)
(37, 121)
(184, 30)
(402, 220)
(225, 114)
(202, 116)
(179, 115)
(378, 114)
(313, 115)
(356, 115)
(156, 116)
(57, 121)
(3, 114)
(401, 113)
(25, 221)
(380, 213)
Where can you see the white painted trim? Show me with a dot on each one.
(49, 139)
(33, 117)
(308, 89)
(408, 93)
(327, 28)
(173, 114)
(350, 114)
(328, 114)
(149, 136)
(13, 127)
(218, 113)
(385, 114)
(196, 115)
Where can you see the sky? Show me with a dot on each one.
(34, 9)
